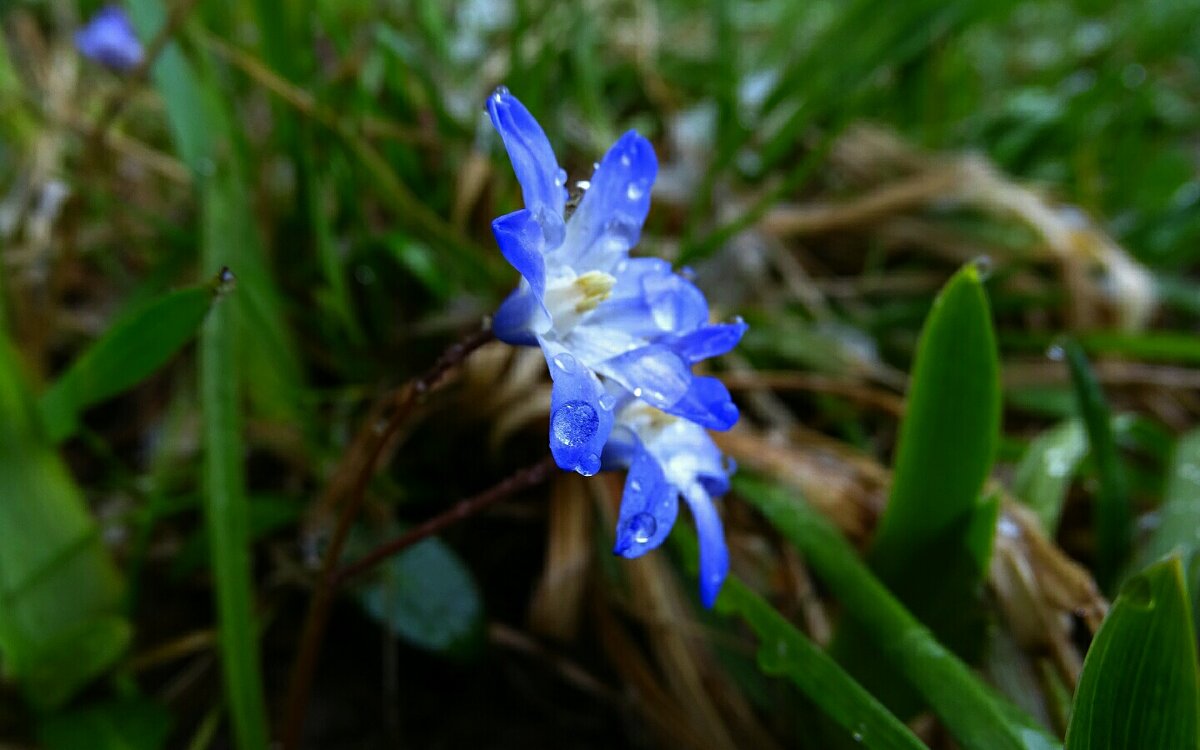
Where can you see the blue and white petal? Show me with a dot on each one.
(608, 221)
(714, 555)
(542, 180)
(581, 412)
(649, 506)
(652, 373)
(707, 403)
(709, 341)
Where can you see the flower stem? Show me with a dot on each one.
(527, 477)
(359, 462)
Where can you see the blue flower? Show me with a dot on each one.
(109, 39)
(620, 336)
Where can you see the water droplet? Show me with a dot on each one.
(635, 485)
(226, 281)
(637, 392)
(499, 94)
(583, 184)
(625, 160)
(564, 362)
(1137, 592)
(623, 266)
(574, 423)
(737, 320)
(984, 265)
(858, 733)
(642, 527)
(608, 401)
(560, 178)
(1056, 352)
(634, 191)
(589, 465)
(595, 165)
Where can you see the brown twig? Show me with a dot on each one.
(527, 477)
(372, 442)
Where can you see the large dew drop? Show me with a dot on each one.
(642, 527)
(574, 423)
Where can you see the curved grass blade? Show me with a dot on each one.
(127, 353)
(60, 593)
(1044, 474)
(977, 717)
(1179, 516)
(785, 651)
(935, 538)
(1114, 517)
(1139, 687)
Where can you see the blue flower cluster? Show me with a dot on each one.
(109, 40)
(620, 336)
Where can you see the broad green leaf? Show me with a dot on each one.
(977, 717)
(123, 724)
(1045, 472)
(785, 651)
(1179, 516)
(127, 353)
(427, 596)
(1113, 516)
(934, 539)
(60, 593)
(1139, 687)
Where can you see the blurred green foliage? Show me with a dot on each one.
(335, 156)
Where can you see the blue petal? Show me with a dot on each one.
(542, 181)
(609, 219)
(109, 39)
(714, 555)
(649, 506)
(581, 414)
(520, 239)
(688, 451)
(675, 303)
(709, 341)
(652, 373)
(707, 403)
(520, 318)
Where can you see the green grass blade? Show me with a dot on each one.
(977, 717)
(1044, 474)
(1113, 515)
(934, 539)
(127, 353)
(60, 593)
(1179, 516)
(787, 652)
(1139, 687)
(225, 493)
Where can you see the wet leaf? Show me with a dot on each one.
(1139, 687)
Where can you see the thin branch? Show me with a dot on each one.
(527, 477)
(369, 443)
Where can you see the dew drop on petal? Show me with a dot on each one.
(634, 191)
(625, 160)
(608, 401)
(560, 178)
(564, 362)
(583, 185)
(635, 485)
(500, 93)
(637, 392)
(574, 423)
(642, 527)
(589, 465)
